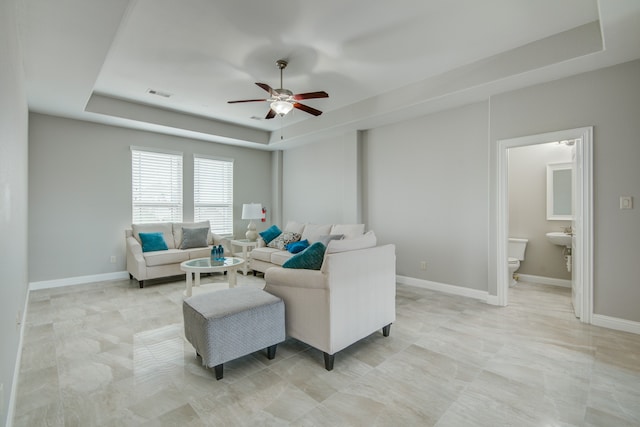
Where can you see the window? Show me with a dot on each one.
(213, 193)
(156, 179)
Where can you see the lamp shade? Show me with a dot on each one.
(251, 211)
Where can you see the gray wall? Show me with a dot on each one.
(528, 208)
(608, 99)
(13, 199)
(429, 184)
(80, 191)
(321, 181)
(426, 191)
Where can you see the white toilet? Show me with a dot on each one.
(516, 254)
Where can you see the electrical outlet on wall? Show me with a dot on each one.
(423, 265)
(112, 259)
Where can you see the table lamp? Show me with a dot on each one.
(251, 211)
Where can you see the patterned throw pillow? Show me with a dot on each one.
(283, 240)
(309, 259)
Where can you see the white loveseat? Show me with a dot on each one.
(264, 257)
(350, 297)
(155, 264)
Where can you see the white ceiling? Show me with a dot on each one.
(379, 61)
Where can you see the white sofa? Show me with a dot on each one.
(349, 298)
(263, 257)
(152, 265)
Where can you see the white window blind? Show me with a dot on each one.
(156, 186)
(213, 193)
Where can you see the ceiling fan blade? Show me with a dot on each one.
(310, 95)
(307, 109)
(266, 87)
(245, 100)
(271, 114)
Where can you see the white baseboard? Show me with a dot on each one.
(78, 280)
(615, 323)
(545, 280)
(443, 287)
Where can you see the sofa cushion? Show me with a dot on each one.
(294, 227)
(280, 257)
(178, 226)
(153, 242)
(283, 240)
(263, 254)
(349, 230)
(194, 238)
(312, 232)
(270, 233)
(198, 252)
(367, 240)
(309, 259)
(171, 256)
(162, 227)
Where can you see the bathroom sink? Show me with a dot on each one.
(559, 238)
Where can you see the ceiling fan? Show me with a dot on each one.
(283, 100)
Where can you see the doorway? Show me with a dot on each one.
(582, 282)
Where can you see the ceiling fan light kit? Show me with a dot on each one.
(281, 107)
(282, 100)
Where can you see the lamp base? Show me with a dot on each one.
(251, 234)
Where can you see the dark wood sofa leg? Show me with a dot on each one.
(328, 361)
(271, 351)
(219, 371)
(141, 283)
(386, 330)
(130, 276)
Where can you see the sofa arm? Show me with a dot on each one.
(136, 264)
(295, 278)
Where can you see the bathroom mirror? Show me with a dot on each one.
(559, 185)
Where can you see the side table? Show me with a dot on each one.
(246, 246)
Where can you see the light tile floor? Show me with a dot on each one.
(111, 354)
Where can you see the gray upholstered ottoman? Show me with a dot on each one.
(231, 323)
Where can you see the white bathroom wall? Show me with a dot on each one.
(527, 208)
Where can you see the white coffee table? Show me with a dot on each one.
(205, 265)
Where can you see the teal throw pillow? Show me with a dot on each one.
(153, 242)
(296, 247)
(309, 259)
(270, 233)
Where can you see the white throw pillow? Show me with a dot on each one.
(367, 240)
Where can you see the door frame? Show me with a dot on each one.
(583, 217)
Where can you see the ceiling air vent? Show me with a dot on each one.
(158, 93)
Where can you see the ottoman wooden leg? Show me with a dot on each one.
(271, 351)
(328, 361)
(218, 369)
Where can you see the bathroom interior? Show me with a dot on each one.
(540, 215)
